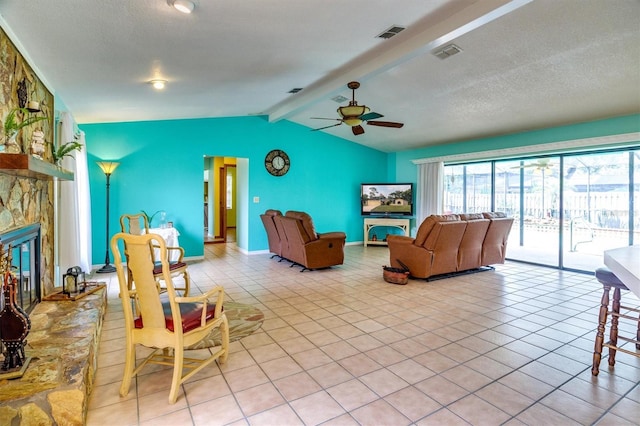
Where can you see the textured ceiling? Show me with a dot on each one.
(524, 64)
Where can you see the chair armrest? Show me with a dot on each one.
(180, 250)
(170, 250)
(204, 299)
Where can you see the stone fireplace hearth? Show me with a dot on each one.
(63, 346)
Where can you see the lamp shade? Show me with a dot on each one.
(351, 114)
(108, 166)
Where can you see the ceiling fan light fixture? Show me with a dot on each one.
(351, 114)
(184, 6)
(158, 84)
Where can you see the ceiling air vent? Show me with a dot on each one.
(447, 51)
(295, 90)
(339, 99)
(390, 32)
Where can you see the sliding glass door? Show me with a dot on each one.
(532, 189)
(568, 208)
(468, 188)
(597, 207)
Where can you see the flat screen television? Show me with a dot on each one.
(386, 199)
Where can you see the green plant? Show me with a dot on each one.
(65, 149)
(149, 218)
(12, 126)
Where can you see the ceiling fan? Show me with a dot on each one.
(354, 115)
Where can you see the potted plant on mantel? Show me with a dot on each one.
(65, 150)
(12, 127)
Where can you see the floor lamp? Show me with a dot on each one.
(107, 167)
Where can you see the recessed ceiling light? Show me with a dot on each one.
(158, 84)
(184, 6)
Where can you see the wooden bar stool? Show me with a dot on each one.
(608, 281)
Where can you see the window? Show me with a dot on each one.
(569, 208)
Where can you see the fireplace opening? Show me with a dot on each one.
(25, 261)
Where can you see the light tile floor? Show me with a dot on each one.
(342, 347)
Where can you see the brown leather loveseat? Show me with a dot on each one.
(452, 243)
(293, 237)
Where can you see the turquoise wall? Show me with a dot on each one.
(407, 171)
(161, 168)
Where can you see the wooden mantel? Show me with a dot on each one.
(29, 166)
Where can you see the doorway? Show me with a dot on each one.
(227, 202)
(220, 200)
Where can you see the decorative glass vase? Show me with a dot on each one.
(163, 219)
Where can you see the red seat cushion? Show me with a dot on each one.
(191, 315)
(157, 267)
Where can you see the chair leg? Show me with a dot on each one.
(224, 333)
(176, 381)
(613, 337)
(602, 320)
(187, 284)
(129, 365)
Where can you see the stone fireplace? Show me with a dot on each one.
(24, 244)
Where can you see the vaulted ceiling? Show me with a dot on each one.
(523, 65)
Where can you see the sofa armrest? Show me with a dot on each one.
(403, 252)
(399, 239)
(325, 251)
(333, 235)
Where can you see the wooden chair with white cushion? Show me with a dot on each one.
(164, 321)
(137, 224)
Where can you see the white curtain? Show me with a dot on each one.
(430, 190)
(74, 203)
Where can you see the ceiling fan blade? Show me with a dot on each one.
(326, 127)
(370, 116)
(357, 130)
(386, 124)
(324, 118)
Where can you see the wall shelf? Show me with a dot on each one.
(29, 166)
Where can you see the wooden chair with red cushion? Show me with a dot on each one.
(137, 224)
(164, 321)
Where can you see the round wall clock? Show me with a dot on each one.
(277, 162)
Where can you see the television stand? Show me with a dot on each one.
(372, 222)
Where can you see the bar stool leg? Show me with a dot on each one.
(602, 320)
(615, 314)
(638, 335)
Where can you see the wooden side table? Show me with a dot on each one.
(372, 222)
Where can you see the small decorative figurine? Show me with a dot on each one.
(37, 144)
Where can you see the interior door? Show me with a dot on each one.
(222, 203)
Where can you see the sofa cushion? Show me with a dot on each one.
(427, 225)
(273, 212)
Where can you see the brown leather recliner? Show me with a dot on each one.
(470, 249)
(307, 248)
(268, 220)
(452, 243)
(494, 247)
(434, 250)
